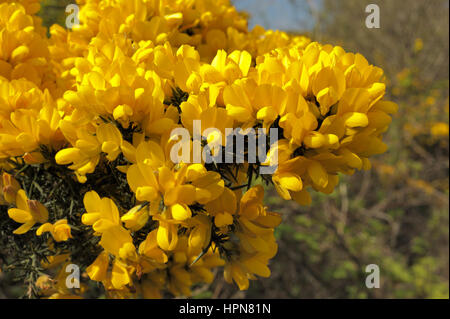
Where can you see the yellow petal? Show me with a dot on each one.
(22, 200)
(129, 151)
(92, 202)
(267, 114)
(108, 132)
(122, 111)
(303, 197)
(114, 238)
(184, 194)
(90, 218)
(109, 210)
(97, 270)
(239, 278)
(19, 215)
(146, 193)
(167, 236)
(318, 174)
(119, 275)
(180, 212)
(314, 140)
(135, 218)
(238, 113)
(223, 219)
(61, 231)
(20, 53)
(290, 181)
(24, 228)
(257, 267)
(47, 227)
(355, 119)
(67, 156)
(102, 225)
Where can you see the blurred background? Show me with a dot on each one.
(395, 215)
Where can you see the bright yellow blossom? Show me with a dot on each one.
(28, 212)
(60, 230)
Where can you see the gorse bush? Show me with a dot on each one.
(87, 119)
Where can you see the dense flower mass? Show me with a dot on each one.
(86, 122)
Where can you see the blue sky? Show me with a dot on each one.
(276, 14)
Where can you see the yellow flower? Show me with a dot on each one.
(31, 6)
(201, 108)
(120, 275)
(85, 154)
(167, 236)
(247, 102)
(233, 272)
(439, 129)
(418, 45)
(60, 230)
(149, 248)
(29, 119)
(23, 51)
(136, 218)
(227, 67)
(186, 269)
(44, 282)
(257, 242)
(179, 187)
(9, 187)
(101, 213)
(28, 213)
(200, 235)
(328, 87)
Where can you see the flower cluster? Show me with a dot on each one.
(86, 132)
